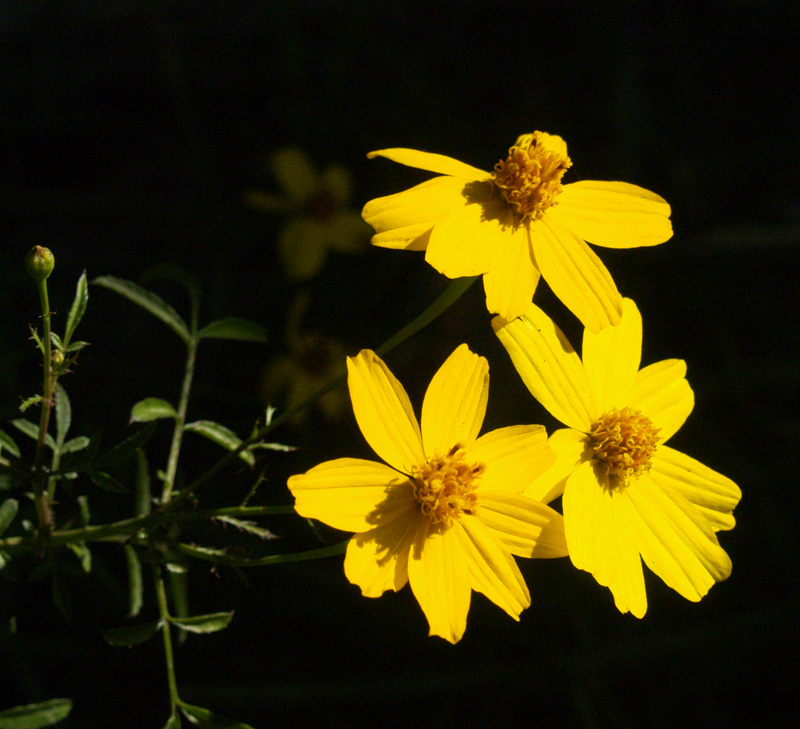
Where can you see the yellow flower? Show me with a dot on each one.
(625, 493)
(519, 222)
(446, 514)
(317, 204)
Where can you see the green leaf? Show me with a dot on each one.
(81, 551)
(130, 635)
(151, 408)
(63, 416)
(34, 716)
(8, 510)
(75, 444)
(8, 628)
(126, 448)
(221, 436)
(107, 482)
(221, 556)
(247, 526)
(78, 308)
(203, 623)
(174, 722)
(147, 300)
(32, 431)
(76, 346)
(83, 508)
(56, 341)
(242, 330)
(7, 442)
(30, 401)
(36, 338)
(144, 500)
(134, 581)
(205, 719)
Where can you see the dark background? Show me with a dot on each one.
(130, 132)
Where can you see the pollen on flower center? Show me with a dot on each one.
(530, 177)
(444, 486)
(623, 442)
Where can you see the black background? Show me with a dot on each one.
(131, 130)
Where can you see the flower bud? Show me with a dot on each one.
(40, 263)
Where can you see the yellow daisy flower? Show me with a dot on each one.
(317, 205)
(445, 514)
(625, 493)
(518, 223)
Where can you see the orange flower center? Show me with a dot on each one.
(623, 442)
(444, 486)
(530, 177)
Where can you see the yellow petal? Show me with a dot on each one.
(549, 366)
(601, 537)
(712, 493)
(613, 214)
(662, 393)
(400, 219)
(383, 411)
(513, 456)
(438, 163)
(492, 569)
(302, 247)
(575, 274)
(377, 560)
(571, 449)
(511, 282)
(524, 527)
(455, 402)
(352, 494)
(440, 580)
(466, 243)
(295, 174)
(675, 541)
(611, 358)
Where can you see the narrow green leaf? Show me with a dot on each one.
(75, 444)
(221, 556)
(8, 510)
(63, 416)
(76, 346)
(144, 499)
(148, 301)
(78, 308)
(8, 628)
(174, 722)
(34, 400)
(151, 408)
(84, 555)
(56, 340)
(134, 581)
(5, 558)
(206, 719)
(130, 635)
(36, 338)
(107, 482)
(221, 436)
(242, 330)
(83, 507)
(7, 442)
(35, 716)
(247, 526)
(32, 431)
(126, 448)
(203, 623)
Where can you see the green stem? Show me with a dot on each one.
(163, 610)
(43, 513)
(445, 300)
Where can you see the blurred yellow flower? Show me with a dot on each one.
(446, 514)
(519, 222)
(317, 207)
(625, 493)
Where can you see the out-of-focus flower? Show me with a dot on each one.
(316, 207)
(625, 493)
(518, 223)
(446, 514)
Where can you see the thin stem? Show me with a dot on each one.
(43, 513)
(163, 610)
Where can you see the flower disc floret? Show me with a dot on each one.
(444, 486)
(623, 441)
(529, 179)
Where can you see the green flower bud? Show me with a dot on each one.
(40, 263)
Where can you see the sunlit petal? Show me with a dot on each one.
(661, 392)
(511, 282)
(549, 366)
(351, 494)
(383, 411)
(440, 580)
(714, 495)
(613, 214)
(571, 449)
(438, 163)
(455, 402)
(575, 274)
